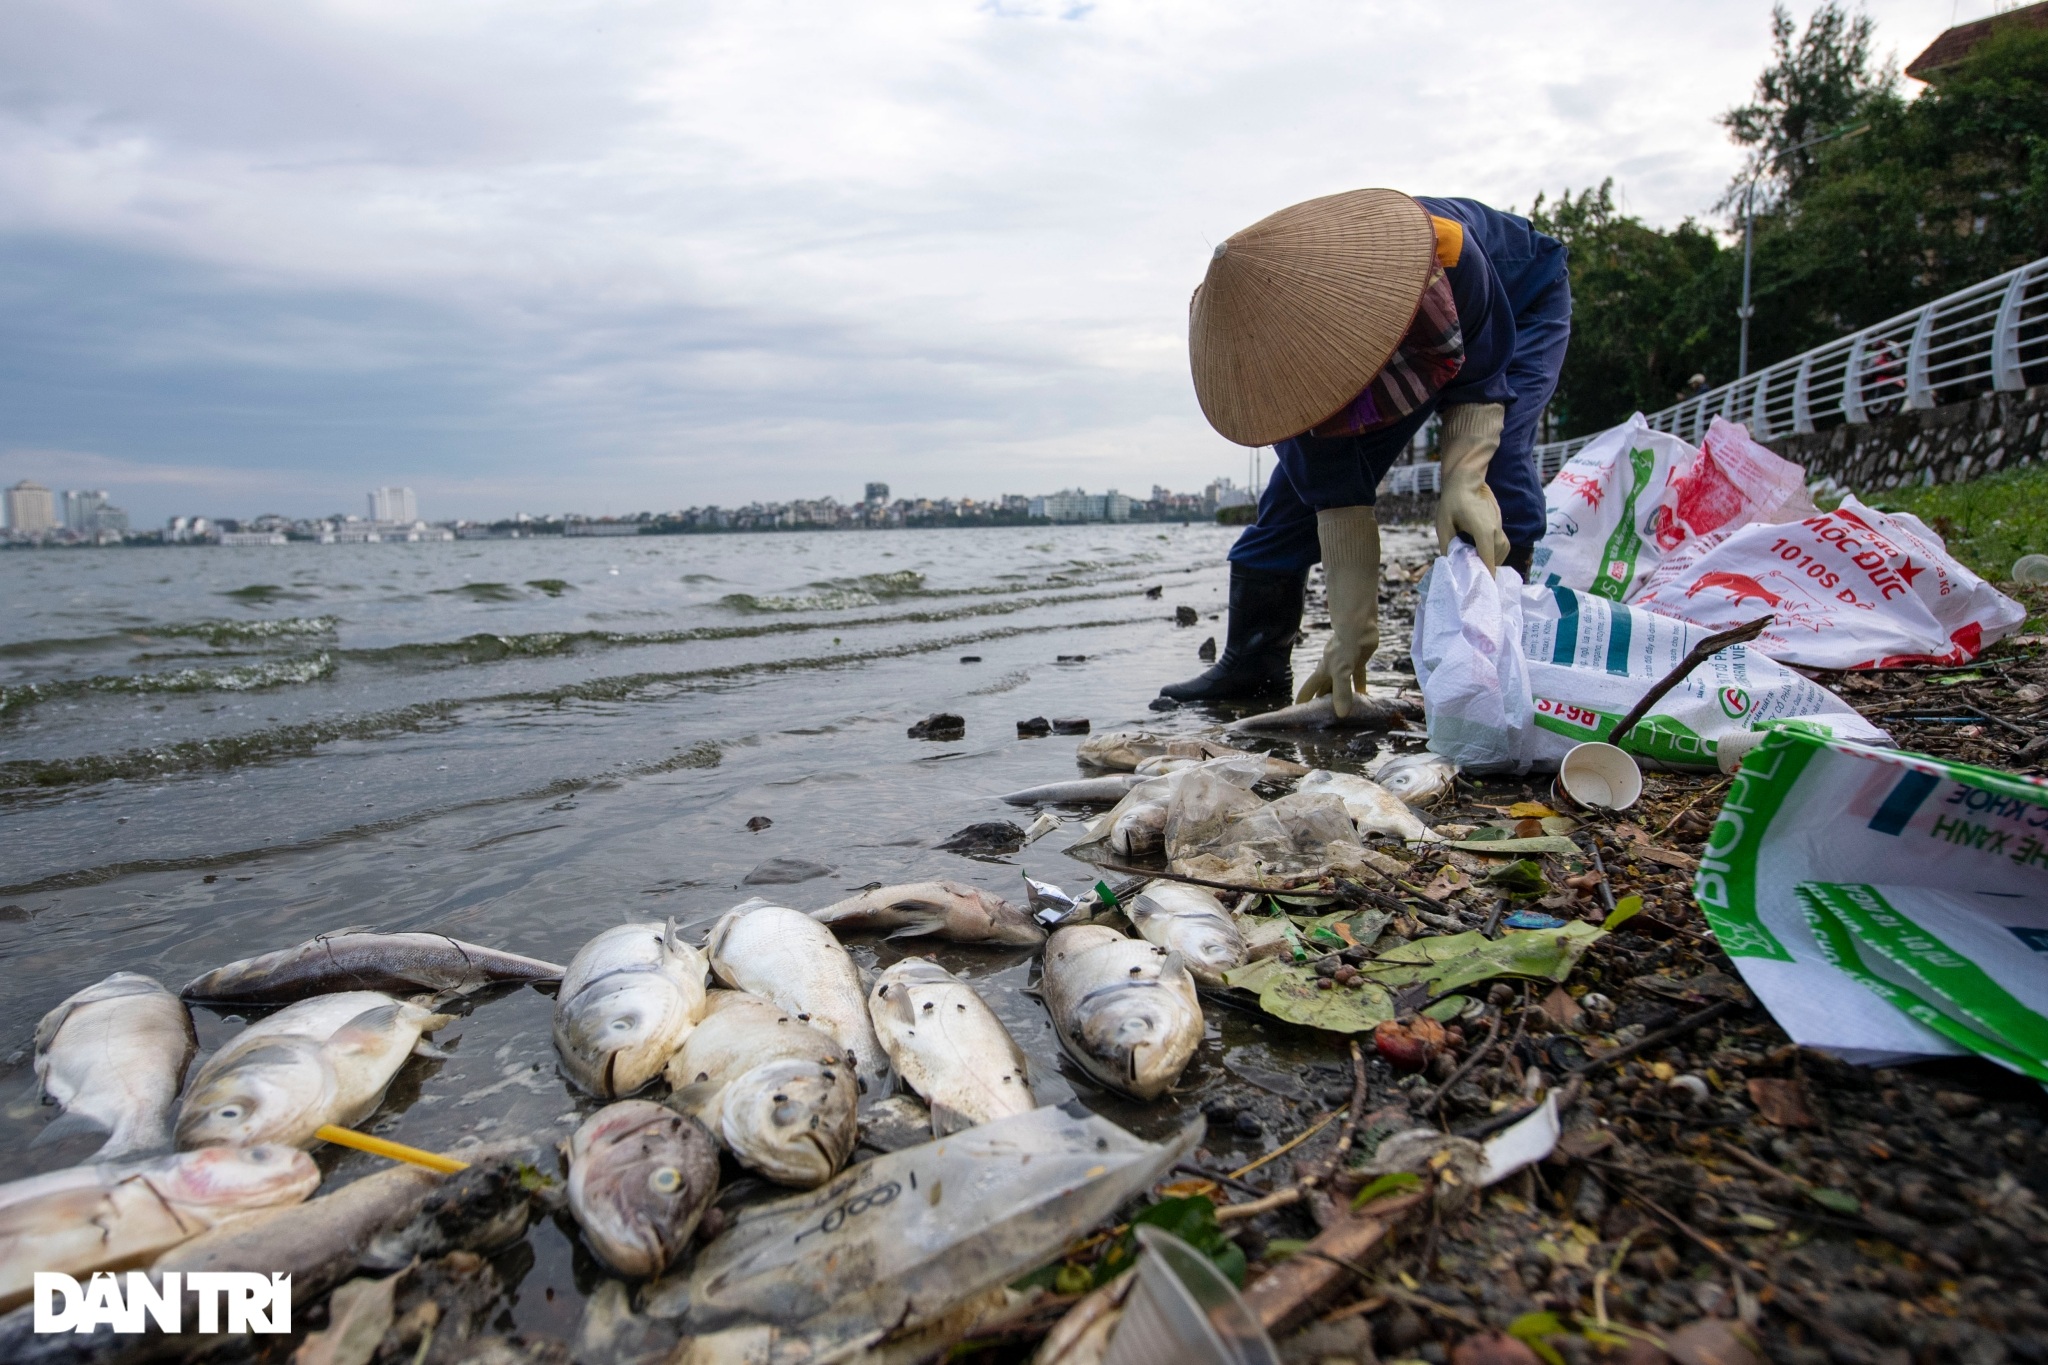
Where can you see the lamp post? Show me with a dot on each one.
(1747, 311)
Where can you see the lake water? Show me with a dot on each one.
(207, 753)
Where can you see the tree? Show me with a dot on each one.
(1818, 82)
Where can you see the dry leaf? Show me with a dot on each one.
(1782, 1102)
(1670, 857)
(358, 1315)
(1449, 881)
(1529, 827)
(1529, 810)
(1560, 1009)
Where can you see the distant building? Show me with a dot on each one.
(1953, 46)
(394, 505)
(30, 509)
(252, 537)
(1223, 493)
(877, 495)
(1071, 504)
(88, 515)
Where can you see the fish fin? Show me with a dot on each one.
(423, 1048)
(896, 1004)
(926, 920)
(1173, 967)
(697, 1100)
(70, 1126)
(947, 1121)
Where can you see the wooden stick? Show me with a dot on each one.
(1283, 1150)
(1701, 652)
(1287, 1294)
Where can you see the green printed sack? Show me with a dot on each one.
(1604, 509)
(1886, 905)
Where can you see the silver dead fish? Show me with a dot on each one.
(629, 999)
(146, 1209)
(114, 1056)
(1152, 755)
(1373, 808)
(785, 956)
(1083, 791)
(324, 1060)
(1420, 779)
(1191, 922)
(365, 961)
(640, 1177)
(778, 1092)
(948, 1046)
(1371, 713)
(1140, 830)
(1124, 1010)
(952, 911)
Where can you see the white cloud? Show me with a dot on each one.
(652, 254)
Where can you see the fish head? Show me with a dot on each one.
(1138, 1035)
(239, 1177)
(276, 1092)
(1210, 949)
(644, 1175)
(617, 1036)
(792, 1120)
(1002, 921)
(1141, 830)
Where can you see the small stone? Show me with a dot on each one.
(759, 823)
(1035, 728)
(970, 658)
(1155, 590)
(1247, 1124)
(985, 838)
(1070, 725)
(940, 725)
(1713, 1341)
(1185, 616)
(1956, 1104)
(785, 872)
(1207, 653)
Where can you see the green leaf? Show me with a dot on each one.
(1625, 909)
(1531, 1328)
(1192, 1220)
(1287, 990)
(1280, 1248)
(1451, 962)
(1394, 1182)
(1538, 847)
(1491, 834)
(1523, 877)
(1837, 1200)
(1952, 679)
(1447, 1009)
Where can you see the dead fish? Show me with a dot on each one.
(1373, 808)
(152, 1207)
(629, 999)
(952, 911)
(1191, 922)
(354, 960)
(786, 957)
(1086, 791)
(1124, 1010)
(1140, 830)
(1368, 713)
(324, 1060)
(778, 1092)
(640, 1177)
(1153, 755)
(1420, 779)
(114, 1056)
(948, 1046)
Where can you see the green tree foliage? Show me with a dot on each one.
(1929, 195)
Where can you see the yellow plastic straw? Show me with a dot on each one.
(397, 1151)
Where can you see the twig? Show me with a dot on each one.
(1600, 866)
(1998, 720)
(1285, 1148)
(1701, 652)
(1352, 1115)
(1478, 1056)
(1672, 823)
(1492, 929)
(1220, 1177)
(1662, 1035)
(1252, 1208)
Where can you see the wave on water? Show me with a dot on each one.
(257, 593)
(487, 592)
(836, 594)
(219, 634)
(241, 678)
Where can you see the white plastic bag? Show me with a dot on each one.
(1852, 588)
(1572, 664)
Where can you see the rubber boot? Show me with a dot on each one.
(1258, 652)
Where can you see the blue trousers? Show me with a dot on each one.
(1311, 473)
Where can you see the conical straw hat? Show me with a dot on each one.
(1300, 310)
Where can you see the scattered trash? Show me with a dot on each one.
(940, 725)
(1049, 904)
(1044, 823)
(1183, 1311)
(1597, 776)
(2030, 569)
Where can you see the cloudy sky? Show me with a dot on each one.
(611, 255)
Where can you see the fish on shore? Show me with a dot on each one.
(786, 957)
(113, 1057)
(1084, 791)
(359, 960)
(324, 1060)
(1420, 779)
(1146, 754)
(1367, 713)
(1191, 922)
(628, 1000)
(148, 1209)
(948, 1046)
(952, 911)
(1373, 808)
(1139, 830)
(1125, 1010)
(778, 1092)
(640, 1177)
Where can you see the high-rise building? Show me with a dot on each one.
(393, 505)
(82, 508)
(878, 494)
(30, 508)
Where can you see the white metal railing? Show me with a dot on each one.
(1983, 338)
(1413, 478)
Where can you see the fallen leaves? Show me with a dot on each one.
(1782, 1102)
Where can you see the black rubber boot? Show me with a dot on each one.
(1518, 559)
(1265, 618)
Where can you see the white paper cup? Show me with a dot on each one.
(1729, 749)
(1598, 777)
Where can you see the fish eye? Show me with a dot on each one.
(230, 1111)
(667, 1180)
(621, 1025)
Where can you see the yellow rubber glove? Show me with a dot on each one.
(1464, 502)
(1350, 538)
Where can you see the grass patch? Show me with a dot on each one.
(1988, 522)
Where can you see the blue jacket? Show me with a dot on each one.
(1504, 266)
